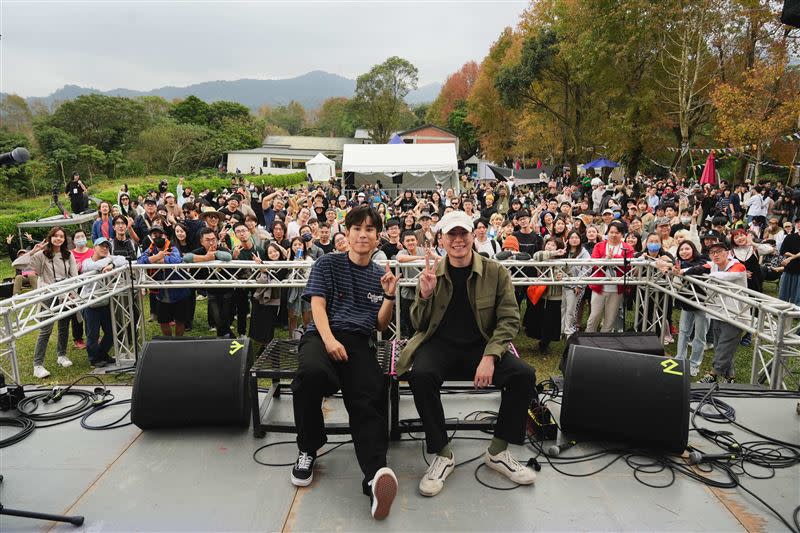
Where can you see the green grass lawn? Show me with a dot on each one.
(546, 365)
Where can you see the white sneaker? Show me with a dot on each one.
(384, 489)
(297, 334)
(709, 347)
(668, 339)
(694, 370)
(64, 361)
(504, 463)
(432, 482)
(40, 372)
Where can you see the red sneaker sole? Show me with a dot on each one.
(385, 491)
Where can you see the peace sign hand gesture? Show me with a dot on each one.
(389, 281)
(427, 280)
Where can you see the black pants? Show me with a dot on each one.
(262, 322)
(406, 329)
(361, 381)
(435, 362)
(77, 328)
(220, 310)
(241, 308)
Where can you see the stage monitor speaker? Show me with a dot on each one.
(633, 398)
(190, 382)
(647, 343)
(791, 13)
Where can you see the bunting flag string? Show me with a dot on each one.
(792, 137)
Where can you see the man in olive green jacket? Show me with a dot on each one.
(465, 314)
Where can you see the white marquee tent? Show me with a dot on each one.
(320, 168)
(409, 166)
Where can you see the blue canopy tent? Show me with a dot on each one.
(396, 139)
(601, 163)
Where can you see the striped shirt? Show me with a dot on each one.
(353, 294)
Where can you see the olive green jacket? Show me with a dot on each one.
(491, 295)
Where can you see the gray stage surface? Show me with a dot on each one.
(206, 480)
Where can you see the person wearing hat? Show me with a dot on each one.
(142, 223)
(723, 266)
(466, 315)
(231, 210)
(98, 317)
(710, 237)
(425, 234)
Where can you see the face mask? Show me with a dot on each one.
(80, 242)
(653, 247)
(685, 220)
(306, 237)
(159, 242)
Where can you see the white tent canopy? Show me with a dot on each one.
(320, 168)
(417, 166)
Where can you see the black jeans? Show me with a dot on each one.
(220, 310)
(361, 381)
(435, 362)
(241, 308)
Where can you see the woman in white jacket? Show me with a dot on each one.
(574, 293)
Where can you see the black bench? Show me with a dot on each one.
(278, 361)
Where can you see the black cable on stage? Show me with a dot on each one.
(85, 401)
(26, 428)
(110, 425)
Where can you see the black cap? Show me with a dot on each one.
(713, 235)
(149, 201)
(392, 222)
(156, 227)
(523, 213)
(719, 244)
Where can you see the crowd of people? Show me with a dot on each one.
(743, 233)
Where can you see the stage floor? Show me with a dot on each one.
(206, 480)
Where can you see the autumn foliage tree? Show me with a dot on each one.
(456, 89)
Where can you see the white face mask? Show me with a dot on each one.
(685, 220)
(80, 242)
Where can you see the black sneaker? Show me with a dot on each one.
(708, 378)
(110, 360)
(303, 470)
(99, 364)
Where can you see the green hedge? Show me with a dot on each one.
(198, 182)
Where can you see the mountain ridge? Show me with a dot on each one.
(309, 89)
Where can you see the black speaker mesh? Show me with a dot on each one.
(791, 13)
(630, 397)
(649, 343)
(192, 383)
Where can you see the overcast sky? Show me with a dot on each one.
(144, 45)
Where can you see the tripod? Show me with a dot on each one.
(74, 520)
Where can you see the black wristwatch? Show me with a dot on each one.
(390, 297)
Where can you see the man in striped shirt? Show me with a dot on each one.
(350, 298)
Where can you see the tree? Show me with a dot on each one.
(336, 117)
(223, 111)
(467, 137)
(105, 122)
(191, 110)
(380, 95)
(58, 146)
(455, 89)
(15, 115)
(91, 157)
(545, 80)
(291, 118)
(171, 147)
(687, 68)
(494, 121)
(763, 106)
(114, 159)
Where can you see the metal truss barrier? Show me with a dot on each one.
(774, 324)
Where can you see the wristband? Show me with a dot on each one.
(390, 297)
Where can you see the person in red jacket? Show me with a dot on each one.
(606, 299)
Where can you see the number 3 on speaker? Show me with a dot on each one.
(669, 367)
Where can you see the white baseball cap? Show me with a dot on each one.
(455, 219)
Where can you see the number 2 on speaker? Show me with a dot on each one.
(669, 367)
